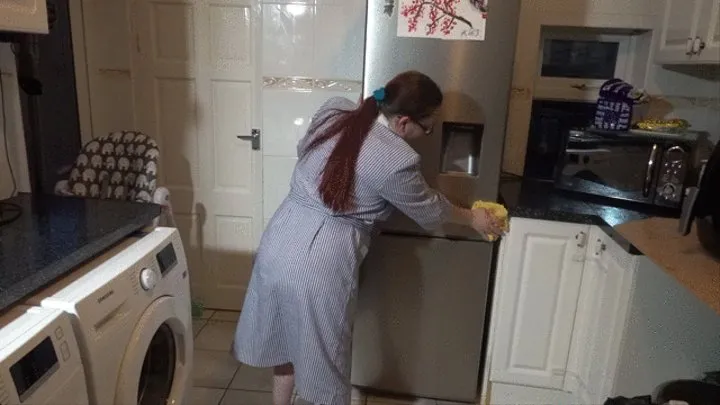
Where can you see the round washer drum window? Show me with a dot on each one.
(156, 377)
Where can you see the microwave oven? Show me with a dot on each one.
(641, 168)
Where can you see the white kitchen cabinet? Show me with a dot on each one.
(560, 309)
(600, 319)
(689, 32)
(541, 268)
(708, 32)
(29, 16)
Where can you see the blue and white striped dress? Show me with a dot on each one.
(300, 303)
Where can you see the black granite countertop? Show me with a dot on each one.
(540, 200)
(54, 235)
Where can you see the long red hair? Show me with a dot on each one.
(411, 94)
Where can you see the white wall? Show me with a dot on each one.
(312, 50)
(12, 129)
(692, 94)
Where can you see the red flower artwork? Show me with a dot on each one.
(442, 14)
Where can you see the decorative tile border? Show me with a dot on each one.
(309, 84)
(352, 86)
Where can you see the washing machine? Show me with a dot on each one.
(39, 359)
(131, 311)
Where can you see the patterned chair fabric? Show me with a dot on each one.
(122, 166)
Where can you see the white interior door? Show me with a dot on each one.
(196, 90)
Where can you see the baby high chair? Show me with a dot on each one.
(122, 166)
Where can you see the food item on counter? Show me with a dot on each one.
(498, 211)
(663, 125)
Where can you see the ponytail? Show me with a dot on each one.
(410, 94)
(337, 184)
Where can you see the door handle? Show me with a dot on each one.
(689, 47)
(254, 138)
(650, 170)
(599, 151)
(581, 239)
(698, 45)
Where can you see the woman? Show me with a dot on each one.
(354, 165)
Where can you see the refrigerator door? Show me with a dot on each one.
(421, 316)
(462, 158)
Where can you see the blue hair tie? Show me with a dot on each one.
(379, 94)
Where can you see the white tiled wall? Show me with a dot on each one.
(312, 50)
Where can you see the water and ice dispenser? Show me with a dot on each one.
(461, 145)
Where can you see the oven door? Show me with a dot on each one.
(618, 169)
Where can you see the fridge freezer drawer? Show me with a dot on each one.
(421, 316)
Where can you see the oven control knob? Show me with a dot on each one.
(668, 191)
(148, 279)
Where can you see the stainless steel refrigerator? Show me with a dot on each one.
(423, 297)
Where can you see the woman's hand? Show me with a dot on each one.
(485, 223)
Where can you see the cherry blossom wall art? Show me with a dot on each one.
(443, 19)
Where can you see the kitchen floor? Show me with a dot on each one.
(219, 380)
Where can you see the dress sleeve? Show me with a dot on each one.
(407, 190)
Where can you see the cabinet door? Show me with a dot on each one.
(28, 16)
(539, 282)
(677, 31)
(600, 319)
(708, 32)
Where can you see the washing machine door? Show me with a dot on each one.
(157, 364)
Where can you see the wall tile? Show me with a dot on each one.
(319, 97)
(339, 40)
(287, 39)
(286, 115)
(277, 172)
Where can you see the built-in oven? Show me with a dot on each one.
(550, 125)
(635, 167)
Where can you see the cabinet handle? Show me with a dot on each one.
(579, 86)
(581, 239)
(601, 247)
(689, 47)
(698, 45)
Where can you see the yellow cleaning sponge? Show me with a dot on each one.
(496, 210)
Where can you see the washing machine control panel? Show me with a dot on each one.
(167, 258)
(148, 279)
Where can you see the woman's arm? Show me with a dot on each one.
(407, 190)
(460, 216)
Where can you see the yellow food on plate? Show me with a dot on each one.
(661, 124)
(496, 210)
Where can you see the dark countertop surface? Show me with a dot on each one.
(54, 235)
(540, 200)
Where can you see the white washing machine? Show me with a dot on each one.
(39, 359)
(132, 314)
